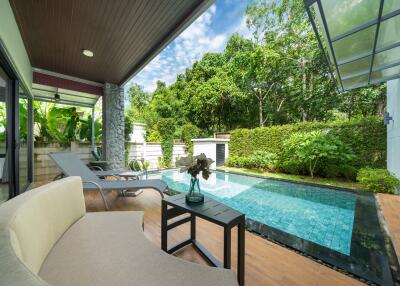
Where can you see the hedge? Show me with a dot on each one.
(366, 136)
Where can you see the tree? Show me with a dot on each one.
(311, 148)
(138, 99)
(166, 127)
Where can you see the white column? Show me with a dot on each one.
(393, 129)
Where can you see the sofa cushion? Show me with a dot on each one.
(42, 219)
(110, 249)
(30, 225)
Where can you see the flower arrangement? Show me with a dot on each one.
(194, 165)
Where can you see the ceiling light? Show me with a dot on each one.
(87, 53)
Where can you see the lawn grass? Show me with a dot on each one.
(340, 183)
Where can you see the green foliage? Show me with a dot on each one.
(378, 180)
(128, 128)
(153, 136)
(258, 160)
(138, 100)
(136, 165)
(366, 137)
(276, 76)
(85, 129)
(63, 123)
(309, 150)
(23, 120)
(166, 127)
(189, 132)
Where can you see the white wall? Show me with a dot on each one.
(11, 39)
(393, 129)
(152, 151)
(138, 133)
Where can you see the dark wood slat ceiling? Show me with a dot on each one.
(123, 34)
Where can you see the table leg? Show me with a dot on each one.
(241, 252)
(193, 227)
(164, 221)
(227, 247)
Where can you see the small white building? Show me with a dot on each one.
(214, 148)
(138, 134)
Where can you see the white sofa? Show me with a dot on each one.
(47, 238)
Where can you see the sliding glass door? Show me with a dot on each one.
(5, 90)
(24, 132)
(16, 127)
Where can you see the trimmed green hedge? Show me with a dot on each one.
(366, 136)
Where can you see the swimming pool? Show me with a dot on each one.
(320, 215)
(339, 227)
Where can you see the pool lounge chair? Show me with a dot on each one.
(119, 173)
(71, 165)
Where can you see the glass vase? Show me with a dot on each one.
(194, 195)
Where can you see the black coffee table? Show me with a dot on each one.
(212, 211)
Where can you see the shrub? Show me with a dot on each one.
(166, 127)
(136, 165)
(367, 138)
(377, 180)
(153, 136)
(334, 171)
(263, 160)
(307, 150)
(259, 160)
(189, 131)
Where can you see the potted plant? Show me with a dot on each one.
(194, 165)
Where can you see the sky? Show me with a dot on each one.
(209, 33)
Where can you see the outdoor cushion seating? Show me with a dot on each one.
(71, 165)
(47, 238)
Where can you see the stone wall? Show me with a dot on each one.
(113, 125)
(44, 169)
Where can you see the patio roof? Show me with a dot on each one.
(123, 35)
(69, 90)
(360, 39)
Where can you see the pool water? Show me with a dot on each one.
(320, 215)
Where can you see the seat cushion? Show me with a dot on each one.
(109, 248)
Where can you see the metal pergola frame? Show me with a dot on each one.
(70, 103)
(330, 40)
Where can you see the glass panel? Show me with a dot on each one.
(23, 141)
(342, 16)
(390, 6)
(4, 88)
(386, 58)
(355, 44)
(322, 31)
(355, 67)
(389, 32)
(383, 74)
(355, 82)
(74, 99)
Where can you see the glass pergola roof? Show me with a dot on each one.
(360, 39)
(68, 97)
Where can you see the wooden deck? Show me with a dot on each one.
(266, 263)
(390, 205)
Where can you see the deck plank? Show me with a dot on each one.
(266, 263)
(390, 205)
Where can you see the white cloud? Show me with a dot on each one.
(198, 39)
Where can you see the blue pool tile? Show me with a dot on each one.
(320, 215)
